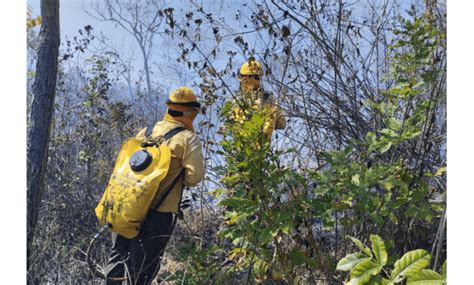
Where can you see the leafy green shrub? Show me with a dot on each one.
(283, 223)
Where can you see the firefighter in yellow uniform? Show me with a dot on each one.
(142, 254)
(253, 96)
(250, 102)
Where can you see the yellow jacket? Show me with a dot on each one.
(186, 152)
(276, 115)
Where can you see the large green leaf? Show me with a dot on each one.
(377, 280)
(387, 282)
(425, 277)
(378, 247)
(351, 260)
(361, 246)
(411, 262)
(385, 146)
(363, 271)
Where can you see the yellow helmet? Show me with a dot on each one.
(251, 67)
(183, 96)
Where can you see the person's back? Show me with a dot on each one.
(142, 255)
(185, 154)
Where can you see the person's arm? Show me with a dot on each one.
(278, 115)
(193, 161)
(280, 120)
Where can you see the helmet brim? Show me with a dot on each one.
(186, 104)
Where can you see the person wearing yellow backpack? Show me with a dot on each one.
(139, 257)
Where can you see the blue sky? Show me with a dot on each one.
(164, 53)
(74, 18)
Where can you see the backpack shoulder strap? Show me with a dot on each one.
(149, 141)
(167, 136)
(163, 197)
(173, 132)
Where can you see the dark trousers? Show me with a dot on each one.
(139, 258)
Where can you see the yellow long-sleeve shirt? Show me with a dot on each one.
(276, 116)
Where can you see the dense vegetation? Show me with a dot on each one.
(363, 155)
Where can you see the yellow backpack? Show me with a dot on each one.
(139, 169)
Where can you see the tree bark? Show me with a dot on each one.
(41, 113)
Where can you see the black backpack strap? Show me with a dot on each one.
(163, 197)
(149, 141)
(173, 132)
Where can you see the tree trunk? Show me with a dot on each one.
(41, 112)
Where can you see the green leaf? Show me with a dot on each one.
(426, 214)
(384, 147)
(417, 23)
(362, 247)
(387, 184)
(440, 171)
(284, 216)
(370, 138)
(411, 262)
(321, 190)
(394, 124)
(232, 178)
(425, 277)
(363, 271)
(378, 247)
(297, 257)
(377, 280)
(356, 179)
(217, 192)
(410, 134)
(389, 133)
(286, 229)
(265, 236)
(351, 260)
(235, 202)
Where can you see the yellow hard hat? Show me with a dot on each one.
(251, 67)
(183, 96)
